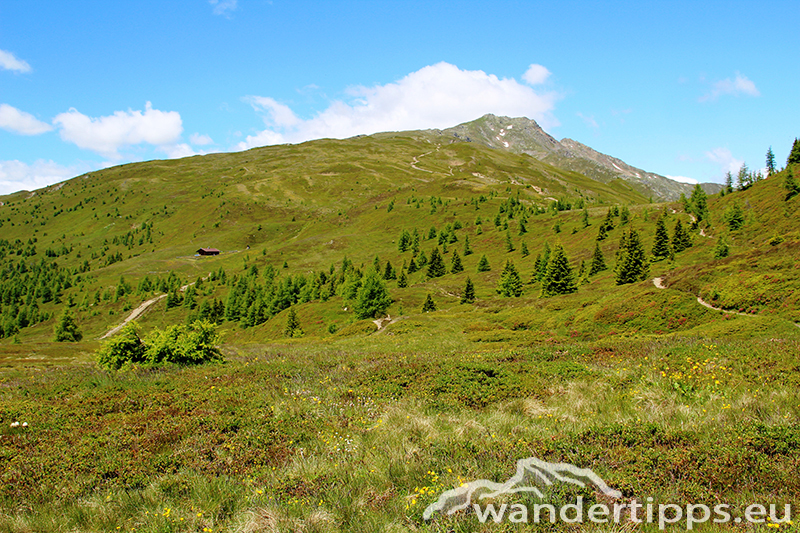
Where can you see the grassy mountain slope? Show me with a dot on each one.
(354, 428)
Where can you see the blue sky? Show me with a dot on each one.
(685, 89)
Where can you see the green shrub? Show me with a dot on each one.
(178, 344)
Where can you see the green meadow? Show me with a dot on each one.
(356, 421)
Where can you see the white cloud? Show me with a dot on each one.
(18, 176)
(10, 62)
(16, 121)
(724, 158)
(536, 74)
(683, 179)
(106, 135)
(589, 121)
(436, 96)
(177, 151)
(738, 86)
(200, 140)
(223, 7)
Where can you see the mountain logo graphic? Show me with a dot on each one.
(531, 473)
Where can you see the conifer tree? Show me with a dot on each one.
(509, 243)
(585, 218)
(734, 216)
(412, 265)
(598, 261)
(456, 266)
(510, 283)
(632, 264)
(372, 297)
(292, 328)
(429, 304)
(404, 241)
(422, 260)
(770, 162)
(402, 281)
(468, 296)
(624, 215)
(525, 251)
(415, 242)
(742, 178)
(583, 274)
(483, 264)
(436, 266)
(559, 277)
(699, 202)
(684, 202)
(728, 182)
(467, 249)
(661, 248)
(794, 155)
(66, 330)
(722, 249)
(389, 272)
(541, 262)
(790, 184)
(681, 240)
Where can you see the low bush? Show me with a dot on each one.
(178, 344)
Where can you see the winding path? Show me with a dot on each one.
(659, 283)
(134, 315)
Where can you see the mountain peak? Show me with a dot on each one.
(519, 135)
(525, 136)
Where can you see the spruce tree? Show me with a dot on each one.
(436, 266)
(404, 241)
(389, 272)
(372, 297)
(412, 265)
(632, 264)
(509, 243)
(525, 251)
(794, 155)
(510, 283)
(624, 215)
(456, 266)
(467, 249)
(699, 202)
(468, 296)
(583, 275)
(728, 182)
(681, 240)
(770, 162)
(66, 330)
(402, 281)
(541, 263)
(790, 184)
(585, 218)
(734, 216)
(598, 261)
(483, 264)
(661, 244)
(559, 277)
(292, 328)
(722, 249)
(429, 304)
(742, 178)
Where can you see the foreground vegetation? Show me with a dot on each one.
(302, 438)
